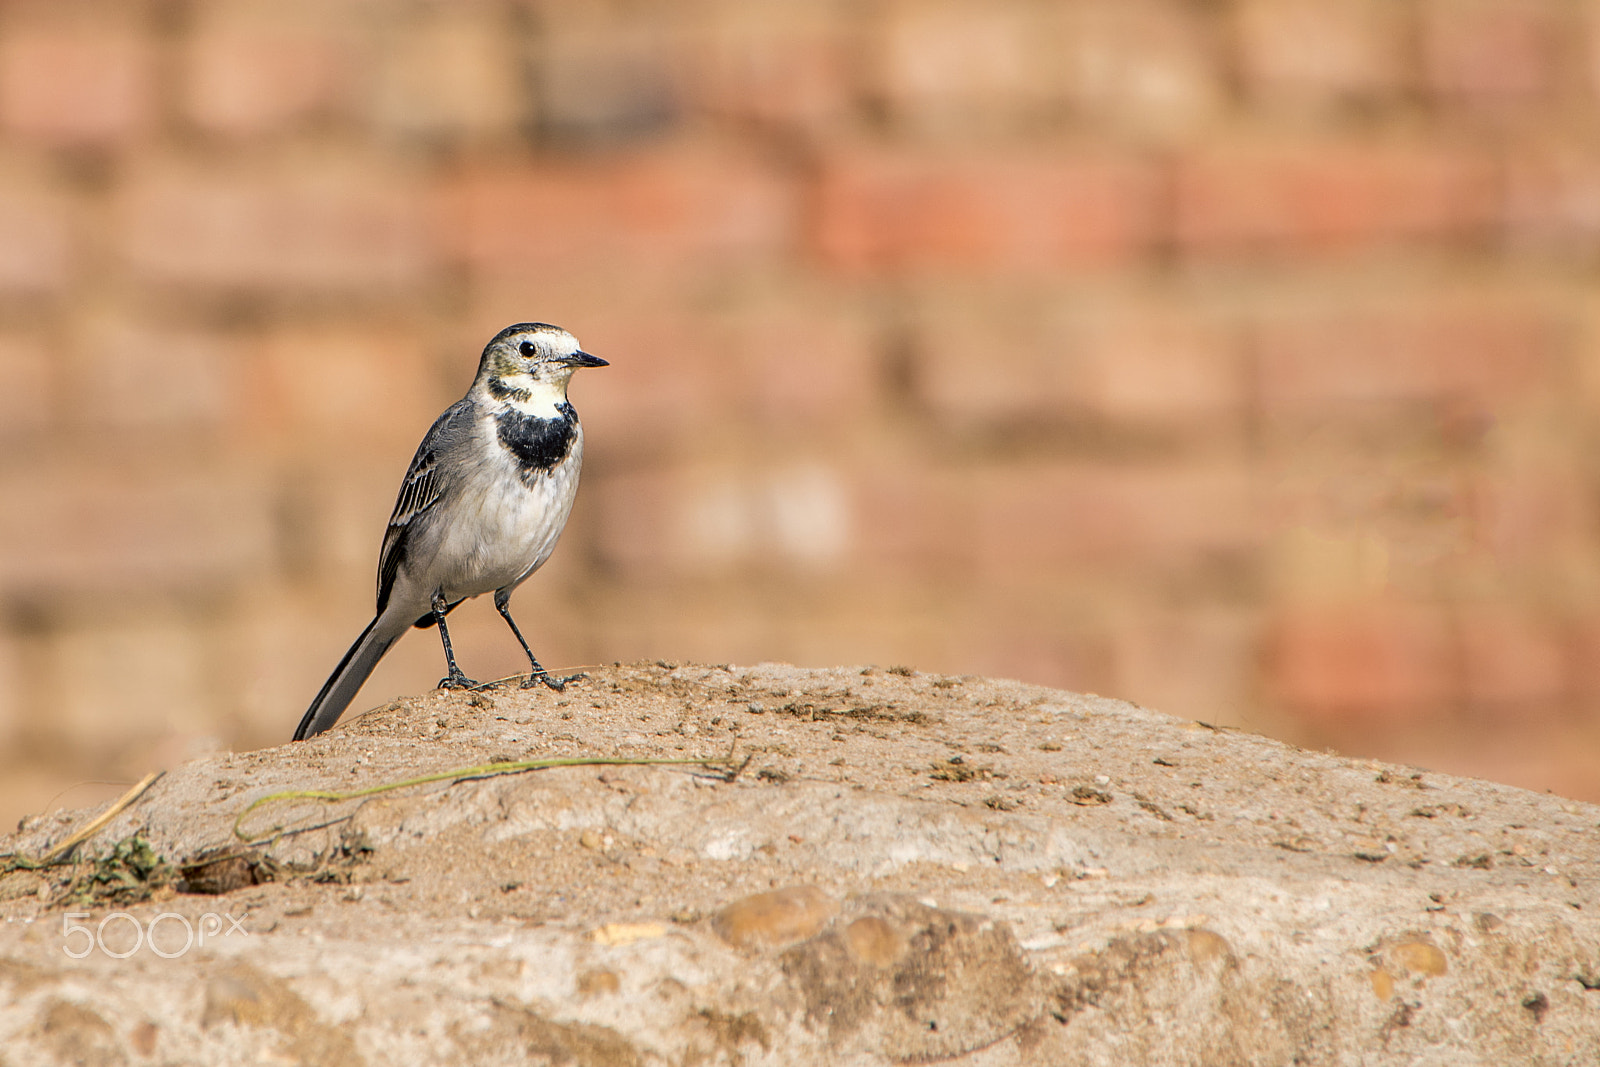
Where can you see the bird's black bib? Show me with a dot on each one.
(538, 444)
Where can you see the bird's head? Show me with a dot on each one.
(531, 363)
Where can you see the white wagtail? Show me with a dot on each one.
(480, 508)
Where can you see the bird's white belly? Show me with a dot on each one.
(504, 529)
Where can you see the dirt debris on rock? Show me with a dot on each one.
(894, 867)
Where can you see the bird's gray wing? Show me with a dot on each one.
(422, 488)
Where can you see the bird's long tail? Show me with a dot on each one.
(347, 678)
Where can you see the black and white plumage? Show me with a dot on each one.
(480, 509)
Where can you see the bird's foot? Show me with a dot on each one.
(539, 678)
(457, 681)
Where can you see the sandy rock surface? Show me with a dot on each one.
(886, 868)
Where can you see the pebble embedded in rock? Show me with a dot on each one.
(1382, 983)
(1419, 957)
(775, 919)
(598, 983)
(874, 940)
(613, 934)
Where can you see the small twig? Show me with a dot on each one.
(99, 822)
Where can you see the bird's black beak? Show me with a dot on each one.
(584, 359)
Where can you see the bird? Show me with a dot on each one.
(480, 509)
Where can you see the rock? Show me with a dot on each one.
(892, 868)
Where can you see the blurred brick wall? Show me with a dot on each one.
(1241, 359)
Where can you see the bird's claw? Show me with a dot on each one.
(533, 681)
(457, 681)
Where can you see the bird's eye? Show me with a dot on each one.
(527, 350)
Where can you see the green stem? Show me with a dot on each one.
(461, 774)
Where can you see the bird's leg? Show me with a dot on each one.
(502, 602)
(456, 680)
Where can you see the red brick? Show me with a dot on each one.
(1032, 639)
(1587, 361)
(76, 83)
(1082, 517)
(993, 357)
(1468, 356)
(779, 66)
(279, 647)
(1374, 663)
(254, 73)
(1583, 654)
(1491, 52)
(1553, 198)
(787, 381)
(14, 710)
(721, 518)
(1194, 663)
(1544, 757)
(1514, 666)
(1534, 515)
(914, 518)
(27, 389)
(602, 77)
(1342, 196)
(950, 65)
(150, 376)
(1141, 66)
(856, 621)
(38, 243)
(879, 210)
(798, 360)
(1035, 358)
(805, 513)
(450, 71)
(371, 388)
(663, 209)
(349, 225)
(126, 683)
(106, 528)
(1321, 52)
(633, 514)
(1589, 54)
(1164, 368)
(1330, 548)
(333, 510)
